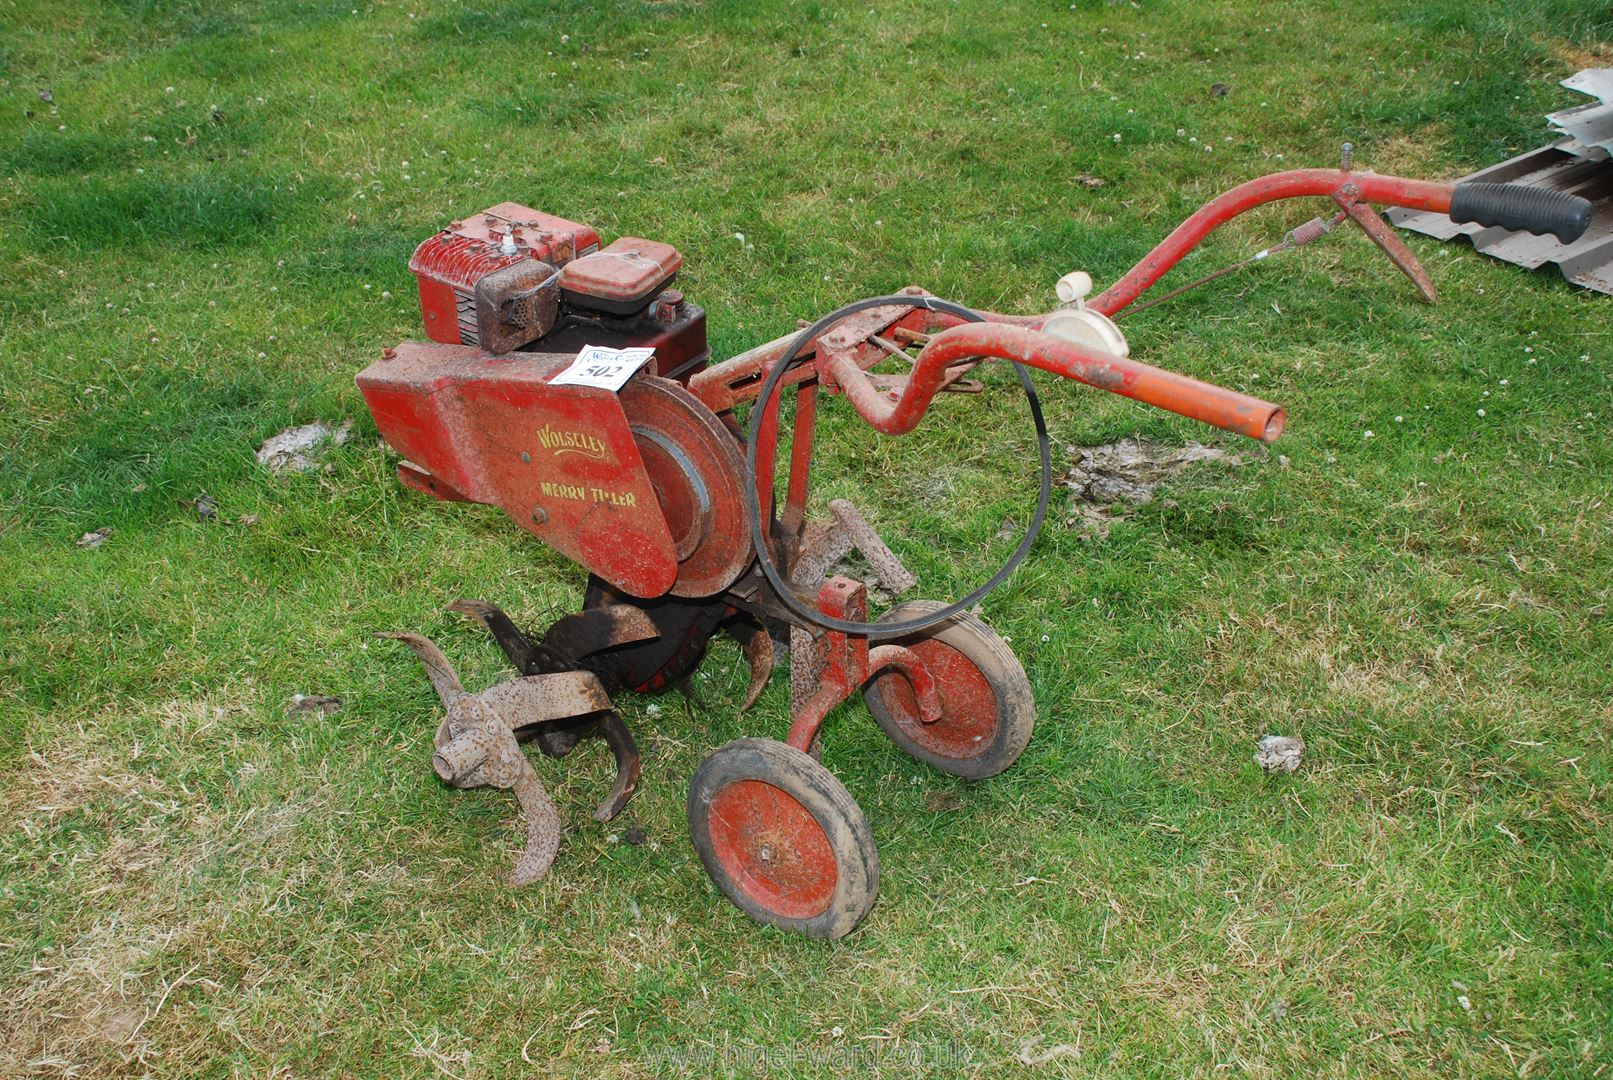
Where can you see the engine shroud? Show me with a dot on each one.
(448, 265)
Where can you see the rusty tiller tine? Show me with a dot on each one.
(558, 731)
(557, 738)
(529, 659)
(620, 740)
(600, 628)
(542, 827)
(758, 646)
(569, 706)
(538, 699)
(443, 678)
(573, 693)
(1390, 244)
(475, 743)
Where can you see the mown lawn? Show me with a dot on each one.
(204, 234)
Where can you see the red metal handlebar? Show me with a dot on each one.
(1119, 375)
(1297, 183)
(1019, 337)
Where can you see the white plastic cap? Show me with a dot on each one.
(1073, 286)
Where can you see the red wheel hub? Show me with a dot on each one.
(773, 848)
(969, 714)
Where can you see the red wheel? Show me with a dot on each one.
(987, 710)
(783, 839)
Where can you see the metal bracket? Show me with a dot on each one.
(1349, 199)
(843, 662)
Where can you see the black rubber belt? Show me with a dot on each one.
(759, 537)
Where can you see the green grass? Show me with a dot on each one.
(205, 234)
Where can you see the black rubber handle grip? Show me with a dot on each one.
(1517, 207)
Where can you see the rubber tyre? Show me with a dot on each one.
(987, 709)
(783, 839)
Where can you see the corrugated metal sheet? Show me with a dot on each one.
(1588, 128)
(1581, 164)
(1587, 262)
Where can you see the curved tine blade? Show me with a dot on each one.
(529, 659)
(1394, 247)
(596, 629)
(625, 750)
(438, 669)
(542, 828)
(758, 646)
(560, 737)
(536, 698)
(474, 609)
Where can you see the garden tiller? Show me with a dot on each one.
(659, 490)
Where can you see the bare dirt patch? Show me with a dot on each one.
(1105, 481)
(1597, 55)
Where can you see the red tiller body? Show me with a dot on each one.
(449, 410)
(560, 460)
(643, 484)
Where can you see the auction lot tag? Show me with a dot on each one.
(605, 368)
